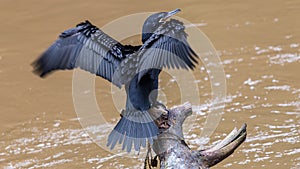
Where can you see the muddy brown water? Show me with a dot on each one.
(259, 45)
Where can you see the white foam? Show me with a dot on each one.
(294, 45)
(251, 82)
(284, 58)
(283, 88)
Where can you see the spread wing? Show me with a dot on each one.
(85, 47)
(167, 47)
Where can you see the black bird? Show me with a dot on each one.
(137, 67)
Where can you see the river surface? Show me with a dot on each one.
(259, 46)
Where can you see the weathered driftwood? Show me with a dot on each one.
(173, 152)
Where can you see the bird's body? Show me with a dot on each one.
(139, 91)
(135, 67)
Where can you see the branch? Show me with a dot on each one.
(173, 152)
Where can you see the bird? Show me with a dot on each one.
(137, 68)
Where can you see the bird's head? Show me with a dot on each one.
(154, 21)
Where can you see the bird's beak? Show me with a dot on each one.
(169, 14)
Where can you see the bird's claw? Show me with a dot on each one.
(159, 113)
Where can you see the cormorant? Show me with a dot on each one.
(137, 67)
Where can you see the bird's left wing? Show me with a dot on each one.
(85, 47)
(167, 47)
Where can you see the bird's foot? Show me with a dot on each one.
(159, 113)
(157, 110)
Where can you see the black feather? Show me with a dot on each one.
(86, 47)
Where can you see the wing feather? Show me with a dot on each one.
(85, 47)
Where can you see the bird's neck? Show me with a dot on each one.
(146, 36)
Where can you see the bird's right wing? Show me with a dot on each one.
(167, 47)
(85, 47)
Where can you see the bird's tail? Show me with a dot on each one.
(133, 128)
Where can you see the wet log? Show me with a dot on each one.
(173, 152)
